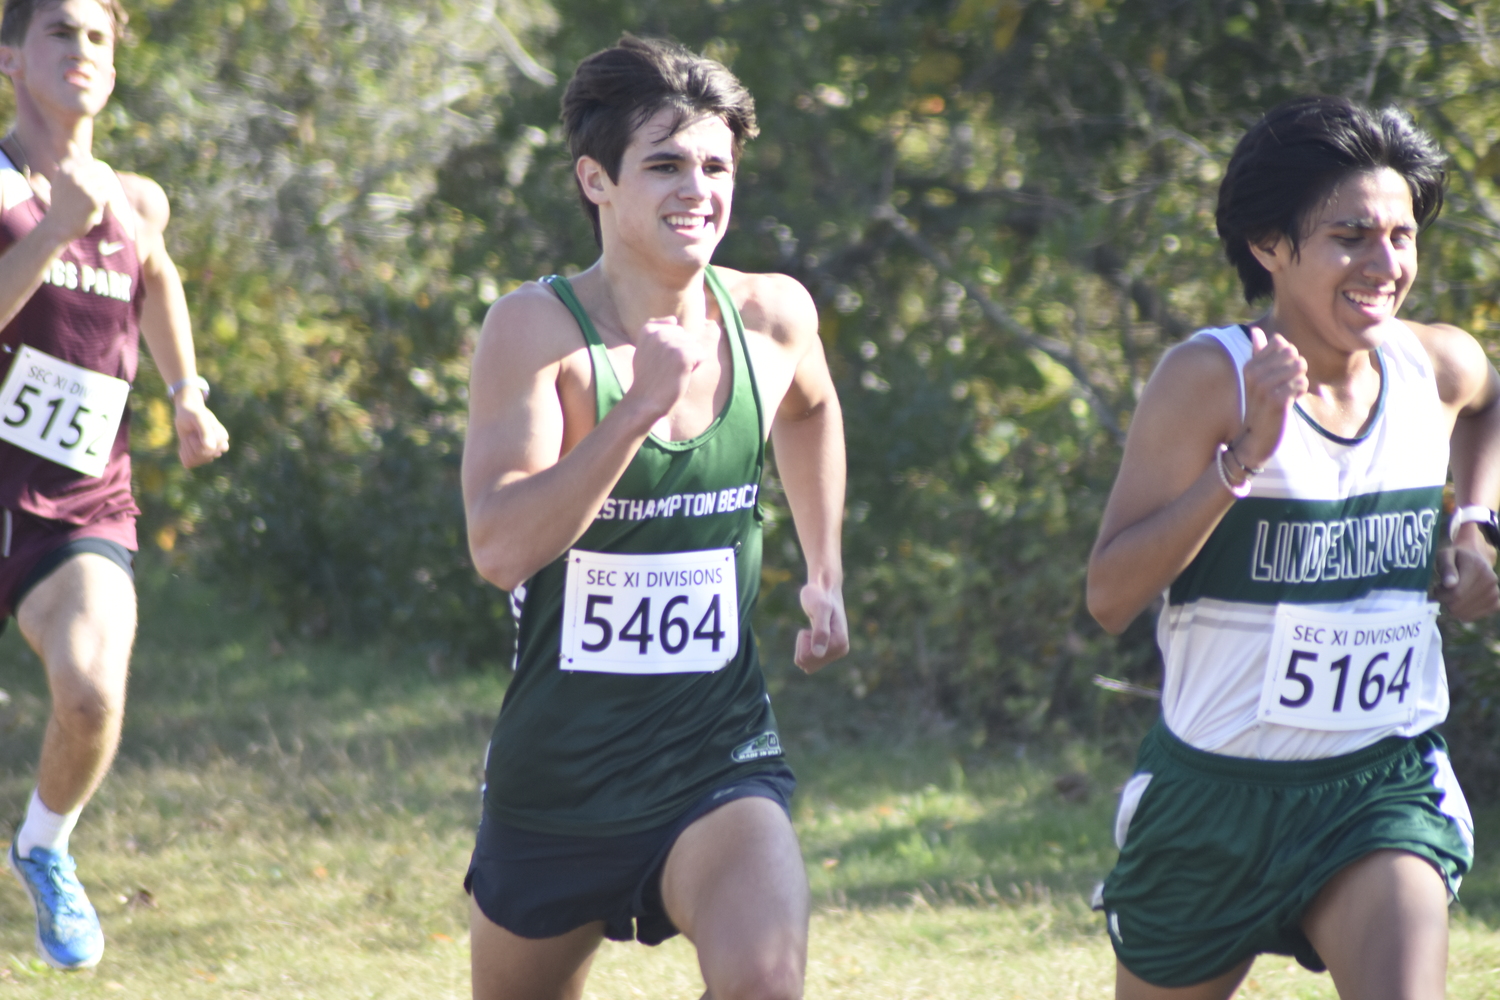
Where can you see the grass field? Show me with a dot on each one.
(292, 820)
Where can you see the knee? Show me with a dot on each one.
(88, 706)
(772, 978)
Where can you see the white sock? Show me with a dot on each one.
(45, 828)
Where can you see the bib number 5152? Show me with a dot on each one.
(61, 411)
(654, 613)
(1342, 671)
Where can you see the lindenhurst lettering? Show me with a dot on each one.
(1345, 549)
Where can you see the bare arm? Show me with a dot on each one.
(526, 500)
(167, 329)
(1470, 390)
(1169, 497)
(808, 435)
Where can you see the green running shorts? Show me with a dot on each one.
(1220, 856)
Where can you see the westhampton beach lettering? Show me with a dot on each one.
(1350, 548)
(685, 504)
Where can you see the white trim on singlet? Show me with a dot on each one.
(1215, 650)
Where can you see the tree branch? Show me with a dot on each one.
(1001, 317)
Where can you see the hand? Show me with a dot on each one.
(666, 356)
(828, 639)
(200, 436)
(1466, 583)
(79, 192)
(1275, 378)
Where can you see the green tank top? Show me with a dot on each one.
(637, 685)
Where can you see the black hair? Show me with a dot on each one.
(1291, 161)
(617, 90)
(18, 15)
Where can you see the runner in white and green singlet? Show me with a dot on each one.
(617, 436)
(1281, 489)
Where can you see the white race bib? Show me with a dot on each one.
(61, 411)
(1338, 671)
(662, 613)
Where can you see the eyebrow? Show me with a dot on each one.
(667, 156)
(1365, 222)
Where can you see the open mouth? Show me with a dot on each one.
(690, 224)
(1373, 303)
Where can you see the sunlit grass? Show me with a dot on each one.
(293, 820)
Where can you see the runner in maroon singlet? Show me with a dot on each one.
(84, 273)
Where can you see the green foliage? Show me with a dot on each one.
(1005, 213)
(294, 138)
(1003, 209)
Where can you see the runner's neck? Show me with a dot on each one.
(631, 300)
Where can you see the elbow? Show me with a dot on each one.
(1110, 615)
(496, 568)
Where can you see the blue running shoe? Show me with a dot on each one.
(67, 928)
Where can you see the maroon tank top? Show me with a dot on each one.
(86, 311)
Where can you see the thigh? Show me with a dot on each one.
(1381, 927)
(734, 884)
(80, 619)
(506, 966)
(1129, 986)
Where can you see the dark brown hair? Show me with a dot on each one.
(1291, 161)
(617, 90)
(18, 14)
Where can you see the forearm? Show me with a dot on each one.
(1129, 569)
(1474, 460)
(24, 265)
(165, 323)
(522, 522)
(810, 460)
(1474, 457)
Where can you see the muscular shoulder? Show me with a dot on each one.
(1195, 384)
(772, 305)
(1196, 370)
(530, 327)
(148, 200)
(1458, 362)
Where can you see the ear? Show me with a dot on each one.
(593, 180)
(10, 60)
(1273, 255)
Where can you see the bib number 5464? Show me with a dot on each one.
(650, 613)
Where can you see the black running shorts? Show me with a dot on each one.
(540, 885)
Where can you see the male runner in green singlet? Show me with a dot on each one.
(84, 272)
(618, 421)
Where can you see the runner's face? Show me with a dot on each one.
(1355, 265)
(67, 61)
(674, 192)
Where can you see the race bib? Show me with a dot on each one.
(662, 613)
(60, 411)
(1336, 671)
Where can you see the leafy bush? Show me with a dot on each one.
(1003, 209)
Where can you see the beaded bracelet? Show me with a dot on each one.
(1247, 470)
(1243, 489)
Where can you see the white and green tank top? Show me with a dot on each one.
(1303, 628)
(638, 687)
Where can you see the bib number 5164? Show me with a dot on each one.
(1342, 671)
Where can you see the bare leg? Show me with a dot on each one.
(1381, 927)
(735, 886)
(81, 621)
(1128, 986)
(505, 966)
